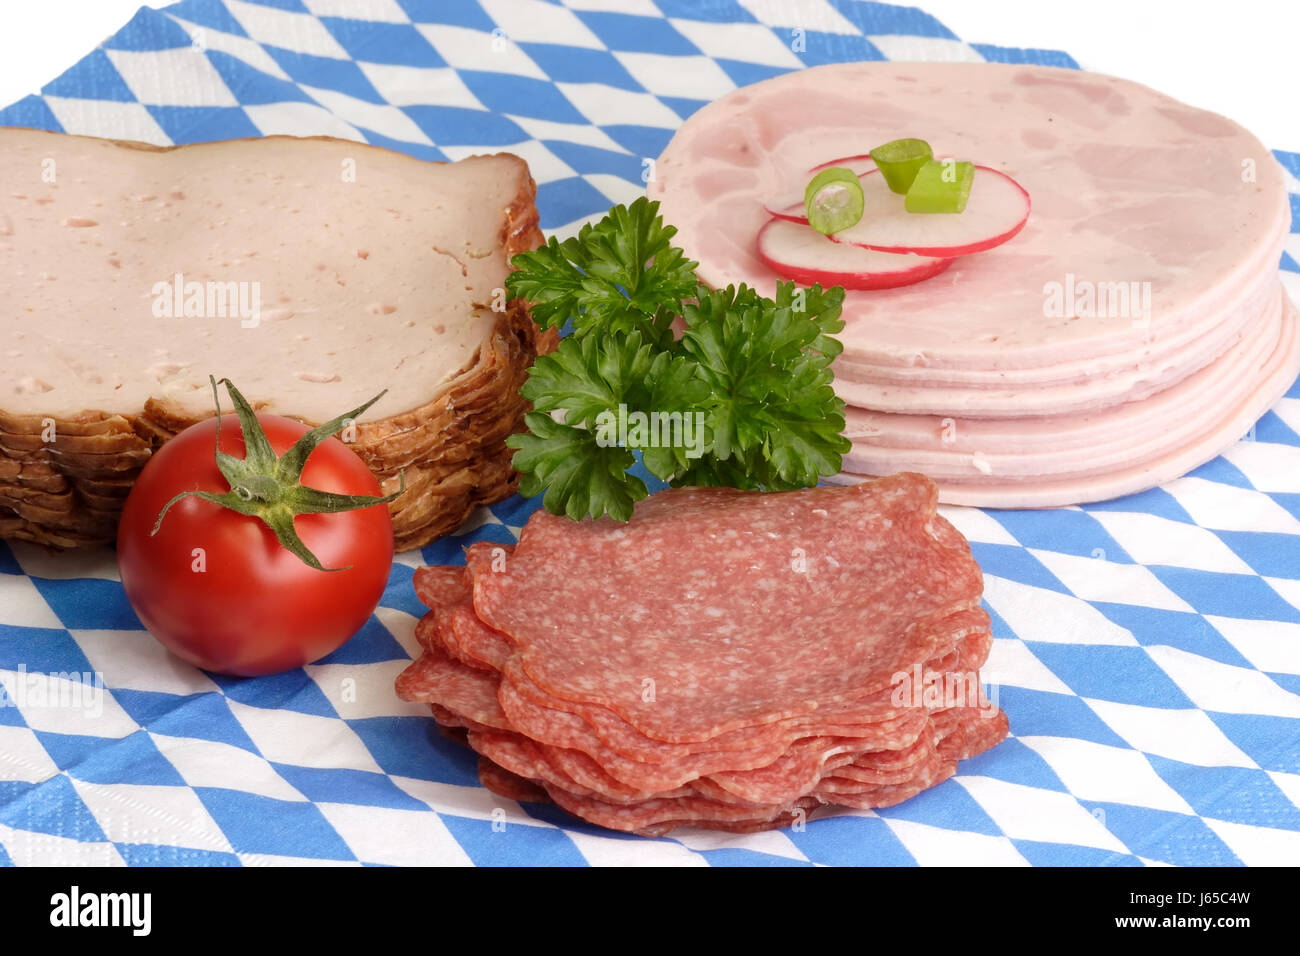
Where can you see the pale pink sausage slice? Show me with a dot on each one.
(1169, 220)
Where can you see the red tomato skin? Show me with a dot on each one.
(256, 608)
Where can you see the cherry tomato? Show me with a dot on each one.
(218, 589)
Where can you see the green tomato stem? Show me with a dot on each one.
(270, 488)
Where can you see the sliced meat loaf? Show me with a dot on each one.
(312, 272)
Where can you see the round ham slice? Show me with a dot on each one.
(1150, 255)
(1177, 434)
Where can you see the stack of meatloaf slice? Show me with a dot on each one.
(313, 273)
(63, 482)
(726, 659)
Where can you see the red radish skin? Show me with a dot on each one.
(799, 252)
(991, 223)
(784, 207)
(861, 165)
(790, 212)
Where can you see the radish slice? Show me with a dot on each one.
(859, 164)
(799, 252)
(782, 206)
(998, 208)
(789, 211)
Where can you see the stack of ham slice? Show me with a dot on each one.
(1133, 330)
(726, 659)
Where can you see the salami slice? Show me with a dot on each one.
(509, 785)
(726, 659)
(733, 608)
(440, 586)
(437, 678)
(478, 642)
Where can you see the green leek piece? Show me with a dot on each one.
(833, 200)
(899, 161)
(940, 186)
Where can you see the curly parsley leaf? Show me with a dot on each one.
(621, 274)
(802, 436)
(631, 252)
(747, 387)
(579, 476)
(822, 307)
(712, 472)
(606, 386)
(771, 386)
(586, 376)
(549, 279)
(681, 434)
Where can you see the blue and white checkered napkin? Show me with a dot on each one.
(1147, 652)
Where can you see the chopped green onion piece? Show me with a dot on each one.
(899, 160)
(940, 186)
(833, 200)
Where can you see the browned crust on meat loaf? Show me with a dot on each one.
(69, 492)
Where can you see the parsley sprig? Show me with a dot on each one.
(753, 371)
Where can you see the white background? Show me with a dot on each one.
(1239, 57)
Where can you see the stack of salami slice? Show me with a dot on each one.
(726, 659)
